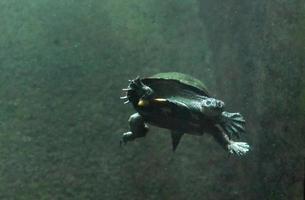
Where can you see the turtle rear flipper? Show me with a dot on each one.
(138, 128)
(232, 123)
(236, 148)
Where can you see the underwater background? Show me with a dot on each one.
(62, 67)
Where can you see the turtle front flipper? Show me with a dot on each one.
(138, 128)
(237, 148)
(232, 123)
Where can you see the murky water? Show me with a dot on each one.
(63, 65)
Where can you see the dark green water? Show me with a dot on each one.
(62, 67)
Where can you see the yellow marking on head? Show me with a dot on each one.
(143, 102)
(160, 100)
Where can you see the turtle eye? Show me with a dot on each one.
(208, 103)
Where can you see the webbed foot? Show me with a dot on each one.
(238, 148)
(128, 136)
(232, 123)
(138, 128)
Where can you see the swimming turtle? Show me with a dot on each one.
(182, 104)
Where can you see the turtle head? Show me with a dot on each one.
(138, 92)
(212, 107)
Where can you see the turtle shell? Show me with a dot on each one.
(171, 84)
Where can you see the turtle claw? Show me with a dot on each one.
(238, 148)
(128, 136)
(124, 97)
(126, 89)
(125, 138)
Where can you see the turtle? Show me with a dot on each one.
(182, 104)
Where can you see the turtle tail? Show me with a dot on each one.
(232, 124)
